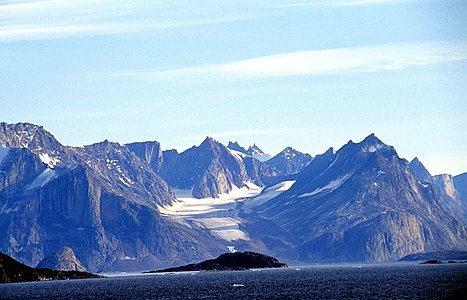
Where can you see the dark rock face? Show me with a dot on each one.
(63, 260)
(363, 203)
(444, 185)
(438, 255)
(230, 262)
(150, 152)
(209, 169)
(289, 161)
(14, 271)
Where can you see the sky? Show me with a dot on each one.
(301, 73)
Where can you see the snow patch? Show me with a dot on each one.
(267, 195)
(331, 186)
(50, 161)
(42, 179)
(262, 157)
(373, 148)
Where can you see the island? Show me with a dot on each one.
(230, 262)
(438, 255)
(12, 270)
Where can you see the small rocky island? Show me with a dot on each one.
(13, 271)
(230, 262)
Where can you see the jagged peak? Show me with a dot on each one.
(254, 150)
(209, 141)
(235, 146)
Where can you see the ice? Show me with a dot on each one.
(373, 148)
(42, 179)
(238, 155)
(331, 186)
(3, 152)
(267, 195)
(219, 215)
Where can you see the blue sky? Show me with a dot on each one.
(303, 73)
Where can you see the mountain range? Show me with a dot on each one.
(139, 207)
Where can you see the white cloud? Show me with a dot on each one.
(46, 19)
(320, 62)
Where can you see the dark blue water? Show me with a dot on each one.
(321, 282)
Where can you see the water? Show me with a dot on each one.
(399, 281)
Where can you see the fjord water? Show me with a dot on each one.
(394, 281)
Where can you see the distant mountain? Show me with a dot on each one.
(289, 161)
(362, 203)
(252, 151)
(208, 169)
(63, 260)
(14, 271)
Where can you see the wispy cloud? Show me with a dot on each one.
(337, 3)
(46, 19)
(319, 62)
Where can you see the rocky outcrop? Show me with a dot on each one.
(14, 271)
(231, 262)
(64, 260)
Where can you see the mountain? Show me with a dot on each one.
(63, 260)
(362, 203)
(115, 208)
(420, 172)
(100, 200)
(289, 161)
(208, 169)
(14, 271)
(252, 151)
(36, 139)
